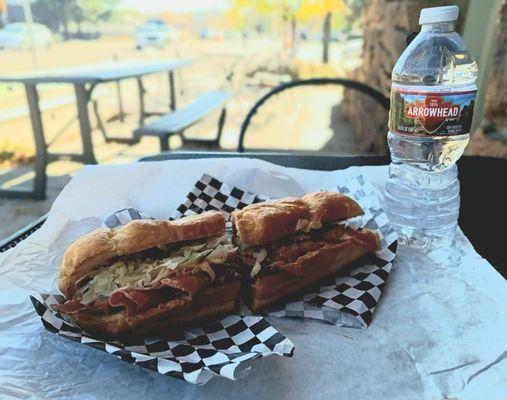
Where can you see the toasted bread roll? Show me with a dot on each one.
(310, 268)
(261, 223)
(126, 283)
(290, 244)
(102, 245)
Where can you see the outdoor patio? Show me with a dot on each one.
(334, 135)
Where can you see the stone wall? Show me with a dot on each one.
(491, 139)
(386, 25)
(496, 99)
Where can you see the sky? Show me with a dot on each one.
(173, 6)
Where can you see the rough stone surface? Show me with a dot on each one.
(496, 98)
(481, 145)
(495, 108)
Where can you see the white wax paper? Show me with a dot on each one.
(439, 330)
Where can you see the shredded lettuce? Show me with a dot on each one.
(259, 255)
(220, 253)
(142, 273)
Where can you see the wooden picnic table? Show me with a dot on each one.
(85, 79)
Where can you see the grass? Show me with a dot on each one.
(307, 70)
(10, 89)
(14, 153)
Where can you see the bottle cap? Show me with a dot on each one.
(434, 15)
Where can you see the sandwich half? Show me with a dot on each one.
(290, 244)
(150, 275)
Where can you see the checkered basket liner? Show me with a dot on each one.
(345, 300)
(211, 194)
(220, 348)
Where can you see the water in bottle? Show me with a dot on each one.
(432, 101)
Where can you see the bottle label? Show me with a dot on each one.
(431, 114)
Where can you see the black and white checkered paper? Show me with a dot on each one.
(343, 301)
(211, 194)
(220, 348)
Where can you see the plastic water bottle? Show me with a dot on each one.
(432, 101)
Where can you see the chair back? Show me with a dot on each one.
(346, 83)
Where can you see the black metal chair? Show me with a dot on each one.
(347, 83)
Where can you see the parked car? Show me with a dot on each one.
(152, 34)
(17, 36)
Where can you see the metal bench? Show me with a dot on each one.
(177, 122)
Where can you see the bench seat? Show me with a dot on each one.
(176, 122)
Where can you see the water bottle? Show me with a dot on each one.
(432, 101)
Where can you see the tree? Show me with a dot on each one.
(295, 11)
(322, 8)
(3, 12)
(96, 10)
(355, 10)
(242, 10)
(326, 36)
(290, 9)
(57, 14)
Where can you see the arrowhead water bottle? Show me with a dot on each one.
(432, 101)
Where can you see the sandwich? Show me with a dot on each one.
(288, 245)
(149, 276)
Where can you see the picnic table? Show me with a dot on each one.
(438, 332)
(85, 79)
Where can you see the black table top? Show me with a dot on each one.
(96, 73)
(483, 201)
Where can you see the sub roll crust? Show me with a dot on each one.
(262, 223)
(149, 276)
(101, 245)
(290, 244)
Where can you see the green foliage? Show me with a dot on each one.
(355, 10)
(96, 10)
(339, 22)
(55, 13)
(58, 13)
(346, 14)
(263, 7)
